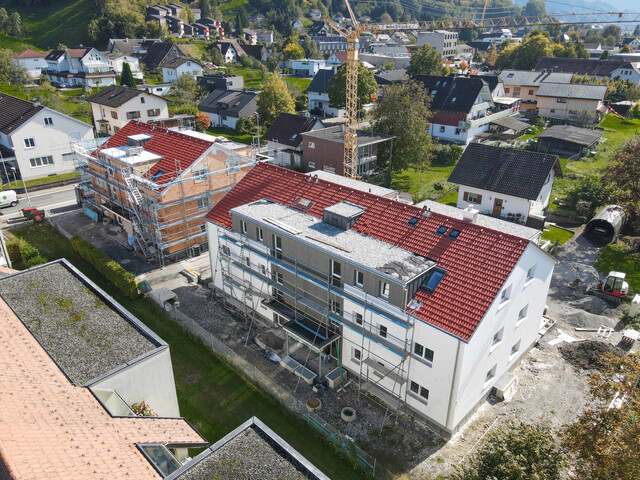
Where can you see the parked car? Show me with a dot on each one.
(8, 198)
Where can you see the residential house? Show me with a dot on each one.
(117, 61)
(198, 30)
(525, 84)
(323, 149)
(226, 107)
(401, 38)
(315, 14)
(426, 312)
(38, 137)
(284, 138)
(79, 67)
(508, 183)
(113, 107)
(253, 37)
(131, 46)
(297, 25)
(214, 25)
(318, 95)
(443, 41)
(389, 77)
(601, 69)
(32, 61)
(632, 42)
(259, 52)
(336, 59)
(159, 53)
(231, 50)
(197, 13)
(173, 69)
(566, 101)
(317, 28)
(306, 67)
(567, 140)
(257, 19)
(221, 81)
(496, 87)
(158, 184)
(498, 36)
(463, 107)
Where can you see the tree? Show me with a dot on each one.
(10, 72)
(14, 26)
(491, 57)
(309, 46)
(625, 49)
(403, 111)
(534, 8)
(584, 117)
(367, 86)
(581, 50)
(590, 191)
(604, 439)
(242, 21)
(216, 56)
(4, 20)
(517, 451)
(425, 61)
(274, 99)
(292, 51)
(622, 177)
(186, 90)
(447, 154)
(604, 55)
(505, 58)
(202, 121)
(613, 31)
(126, 79)
(530, 51)
(636, 31)
(205, 9)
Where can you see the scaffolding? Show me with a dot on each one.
(165, 213)
(242, 276)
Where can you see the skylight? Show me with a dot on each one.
(413, 221)
(158, 174)
(454, 233)
(432, 280)
(441, 229)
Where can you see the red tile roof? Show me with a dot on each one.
(28, 53)
(477, 263)
(178, 150)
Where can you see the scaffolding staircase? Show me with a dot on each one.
(135, 201)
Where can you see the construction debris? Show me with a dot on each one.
(588, 355)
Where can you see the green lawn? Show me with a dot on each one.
(40, 181)
(301, 83)
(614, 257)
(62, 21)
(421, 184)
(230, 134)
(61, 99)
(450, 198)
(13, 44)
(554, 234)
(228, 9)
(252, 77)
(219, 400)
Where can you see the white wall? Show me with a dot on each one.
(222, 120)
(151, 102)
(509, 204)
(34, 66)
(545, 195)
(133, 62)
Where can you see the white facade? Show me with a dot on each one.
(91, 69)
(306, 67)
(443, 41)
(144, 107)
(222, 120)
(630, 74)
(33, 65)
(116, 64)
(189, 68)
(42, 144)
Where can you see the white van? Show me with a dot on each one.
(8, 198)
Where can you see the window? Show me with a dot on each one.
(561, 100)
(199, 173)
(442, 129)
(384, 289)
(457, 131)
(67, 157)
(29, 143)
(259, 234)
(383, 331)
(531, 273)
(497, 337)
(335, 307)
(336, 270)
(114, 115)
(243, 227)
(506, 89)
(418, 349)
(415, 388)
(357, 355)
(312, 164)
(203, 228)
(277, 246)
(454, 233)
(514, 349)
(490, 374)
(418, 390)
(133, 115)
(247, 261)
(432, 280)
(522, 314)
(48, 121)
(441, 230)
(204, 203)
(41, 161)
(154, 112)
(423, 352)
(472, 197)
(311, 145)
(552, 110)
(142, 100)
(530, 92)
(226, 250)
(277, 277)
(358, 318)
(516, 91)
(506, 293)
(359, 278)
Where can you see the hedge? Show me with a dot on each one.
(21, 251)
(115, 273)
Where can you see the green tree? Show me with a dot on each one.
(613, 31)
(14, 26)
(186, 90)
(10, 72)
(604, 439)
(274, 99)
(517, 451)
(530, 51)
(4, 20)
(636, 31)
(581, 50)
(216, 56)
(403, 111)
(367, 86)
(506, 57)
(126, 79)
(622, 177)
(425, 61)
(534, 8)
(625, 49)
(309, 46)
(205, 8)
(604, 55)
(292, 51)
(590, 191)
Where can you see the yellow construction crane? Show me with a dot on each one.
(352, 34)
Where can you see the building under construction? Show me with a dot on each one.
(158, 185)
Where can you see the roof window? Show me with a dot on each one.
(441, 229)
(454, 233)
(432, 280)
(157, 175)
(510, 75)
(413, 221)
(161, 458)
(453, 99)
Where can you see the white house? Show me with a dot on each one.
(318, 94)
(306, 67)
(176, 67)
(33, 61)
(39, 137)
(79, 67)
(501, 182)
(113, 107)
(117, 61)
(226, 107)
(425, 311)
(231, 50)
(315, 14)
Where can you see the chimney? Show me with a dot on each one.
(470, 214)
(426, 211)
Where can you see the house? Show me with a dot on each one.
(443, 41)
(336, 59)
(463, 107)
(253, 37)
(131, 46)
(315, 14)
(221, 81)
(284, 138)
(160, 52)
(113, 107)
(336, 43)
(231, 50)
(496, 87)
(507, 183)
(38, 137)
(632, 42)
(79, 67)
(424, 311)
(258, 19)
(297, 25)
(318, 95)
(323, 149)
(176, 67)
(199, 30)
(600, 69)
(117, 61)
(378, 60)
(388, 77)
(259, 52)
(226, 107)
(214, 25)
(158, 184)
(567, 140)
(306, 67)
(498, 36)
(401, 38)
(32, 61)
(317, 28)
(566, 101)
(525, 84)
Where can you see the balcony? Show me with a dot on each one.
(488, 119)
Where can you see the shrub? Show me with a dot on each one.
(447, 154)
(33, 261)
(21, 251)
(113, 272)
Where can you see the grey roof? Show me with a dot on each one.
(388, 77)
(353, 183)
(288, 129)
(14, 112)
(83, 331)
(114, 96)
(159, 52)
(233, 103)
(129, 45)
(533, 79)
(320, 82)
(571, 134)
(511, 123)
(453, 93)
(572, 90)
(336, 134)
(518, 173)
(581, 66)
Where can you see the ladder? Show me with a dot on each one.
(135, 200)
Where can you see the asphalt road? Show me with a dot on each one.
(54, 200)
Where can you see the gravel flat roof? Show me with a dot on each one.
(84, 334)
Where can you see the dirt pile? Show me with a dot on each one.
(588, 355)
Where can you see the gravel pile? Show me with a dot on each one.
(84, 336)
(582, 319)
(247, 456)
(588, 355)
